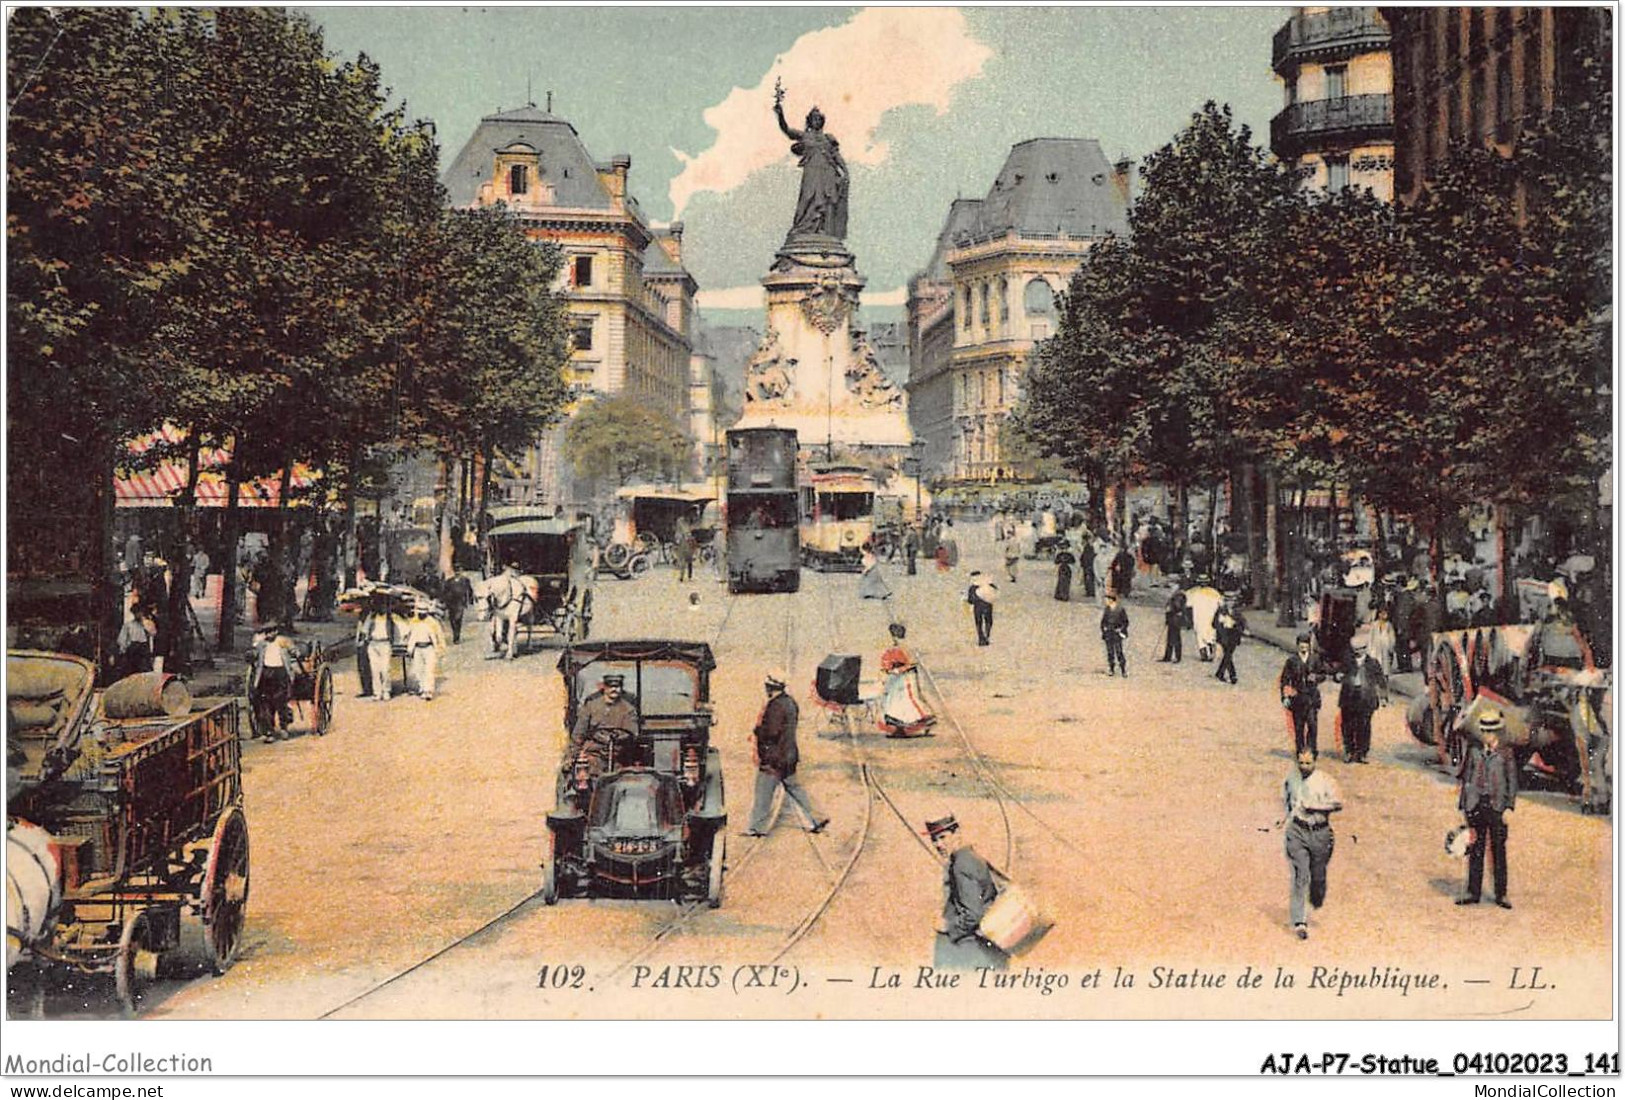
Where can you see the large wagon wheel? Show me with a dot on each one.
(639, 565)
(719, 853)
(134, 965)
(225, 889)
(322, 701)
(616, 555)
(1446, 688)
(256, 717)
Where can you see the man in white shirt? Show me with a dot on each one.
(424, 641)
(1311, 799)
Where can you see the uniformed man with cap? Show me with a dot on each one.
(1489, 789)
(776, 759)
(968, 890)
(604, 717)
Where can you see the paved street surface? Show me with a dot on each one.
(1141, 811)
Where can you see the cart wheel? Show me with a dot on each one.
(719, 853)
(322, 700)
(256, 729)
(646, 542)
(616, 554)
(550, 882)
(639, 565)
(225, 889)
(707, 556)
(134, 966)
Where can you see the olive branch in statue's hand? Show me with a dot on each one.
(778, 92)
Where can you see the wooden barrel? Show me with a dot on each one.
(147, 695)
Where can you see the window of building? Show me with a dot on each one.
(1455, 110)
(1337, 81)
(582, 269)
(1475, 31)
(1038, 299)
(1337, 173)
(1004, 303)
(516, 180)
(985, 297)
(581, 333)
(965, 313)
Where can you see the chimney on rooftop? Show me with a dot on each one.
(614, 177)
(1120, 176)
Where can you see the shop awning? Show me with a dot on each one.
(155, 483)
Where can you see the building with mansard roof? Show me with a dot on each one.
(630, 299)
(987, 296)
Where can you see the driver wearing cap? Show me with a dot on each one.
(604, 716)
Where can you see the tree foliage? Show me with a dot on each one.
(1451, 352)
(623, 440)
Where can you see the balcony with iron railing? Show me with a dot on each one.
(1349, 118)
(1326, 35)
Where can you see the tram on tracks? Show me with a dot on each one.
(837, 518)
(762, 515)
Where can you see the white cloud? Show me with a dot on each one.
(733, 297)
(880, 59)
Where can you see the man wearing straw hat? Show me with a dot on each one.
(1489, 788)
(968, 890)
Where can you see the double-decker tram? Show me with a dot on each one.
(837, 517)
(761, 519)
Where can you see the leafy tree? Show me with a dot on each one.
(621, 439)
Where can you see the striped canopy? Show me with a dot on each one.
(157, 482)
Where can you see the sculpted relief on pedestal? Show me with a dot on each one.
(768, 375)
(868, 383)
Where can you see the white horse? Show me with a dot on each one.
(506, 600)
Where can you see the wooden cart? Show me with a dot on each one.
(140, 820)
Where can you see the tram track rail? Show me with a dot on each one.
(874, 788)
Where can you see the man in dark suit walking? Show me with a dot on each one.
(1113, 630)
(776, 759)
(1489, 789)
(1300, 696)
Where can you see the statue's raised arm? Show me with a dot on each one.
(821, 206)
(778, 110)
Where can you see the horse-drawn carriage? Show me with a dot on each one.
(124, 822)
(642, 814)
(538, 576)
(1542, 677)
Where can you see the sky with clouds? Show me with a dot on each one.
(926, 102)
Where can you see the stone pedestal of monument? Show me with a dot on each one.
(813, 371)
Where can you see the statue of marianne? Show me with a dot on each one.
(821, 206)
